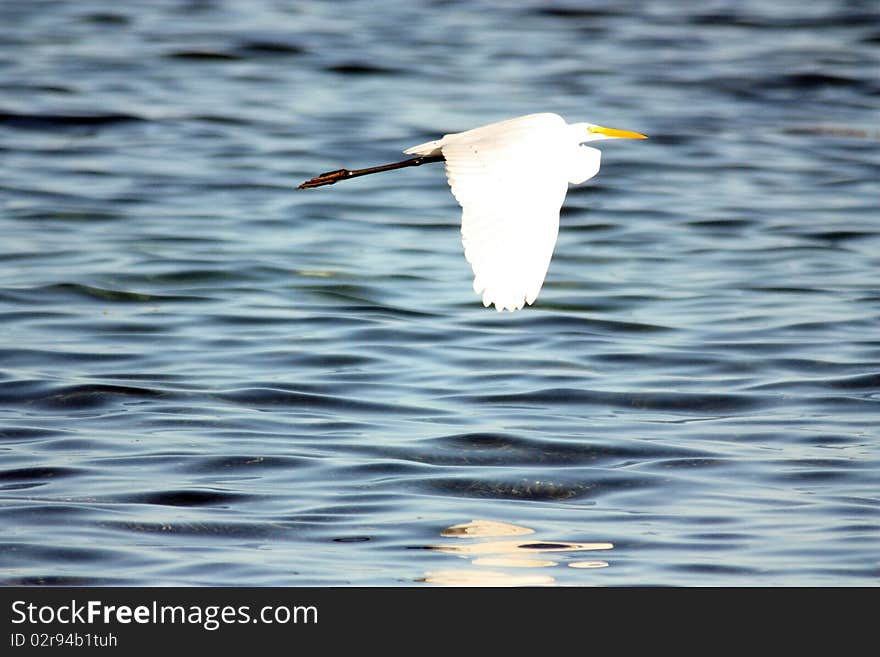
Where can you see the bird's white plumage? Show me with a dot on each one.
(510, 179)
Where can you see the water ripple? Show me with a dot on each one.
(208, 377)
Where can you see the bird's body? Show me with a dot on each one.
(510, 179)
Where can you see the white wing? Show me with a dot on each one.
(510, 179)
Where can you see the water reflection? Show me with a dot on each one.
(486, 551)
(482, 528)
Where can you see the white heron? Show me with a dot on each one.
(510, 179)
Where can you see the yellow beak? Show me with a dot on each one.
(614, 132)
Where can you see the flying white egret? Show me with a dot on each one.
(510, 179)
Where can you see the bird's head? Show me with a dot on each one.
(593, 132)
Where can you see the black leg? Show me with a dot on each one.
(344, 174)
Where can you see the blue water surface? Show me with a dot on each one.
(208, 377)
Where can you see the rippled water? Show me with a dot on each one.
(208, 377)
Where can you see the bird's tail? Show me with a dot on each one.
(428, 148)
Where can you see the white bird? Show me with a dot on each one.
(510, 179)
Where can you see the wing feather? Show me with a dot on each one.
(510, 181)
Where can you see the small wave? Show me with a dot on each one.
(37, 473)
(65, 121)
(206, 529)
(52, 357)
(243, 464)
(270, 48)
(184, 498)
(681, 402)
(64, 580)
(813, 80)
(56, 553)
(359, 68)
(572, 12)
(13, 433)
(539, 490)
(309, 401)
(106, 18)
(204, 56)
(70, 397)
(59, 291)
(481, 449)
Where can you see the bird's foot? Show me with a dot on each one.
(326, 179)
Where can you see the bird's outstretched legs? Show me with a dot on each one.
(344, 174)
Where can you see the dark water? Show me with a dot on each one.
(208, 377)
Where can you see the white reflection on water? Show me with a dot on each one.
(478, 528)
(517, 554)
(485, 578)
